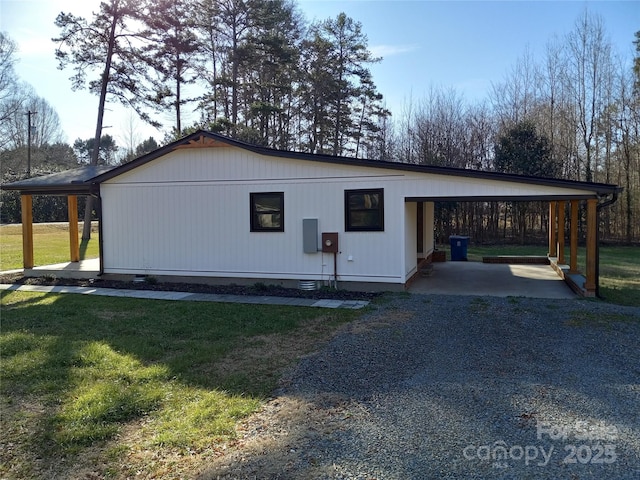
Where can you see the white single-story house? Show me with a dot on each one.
(210, 206)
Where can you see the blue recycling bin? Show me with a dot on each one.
(458, 247)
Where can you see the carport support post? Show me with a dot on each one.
(561, 206)
(26, 201)
(573, 256)
(74, 246)
(592, 239)
(552, 229)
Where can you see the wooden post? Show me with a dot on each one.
(592, 225)
(573, 255)
(74, 246)
(561, 207)
(26, 202)
(552, 229)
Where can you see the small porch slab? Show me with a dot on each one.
(84, 269)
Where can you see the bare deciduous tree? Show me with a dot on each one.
(8, 79)
(589, 61)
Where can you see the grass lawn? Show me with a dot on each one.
(97, 387)
(50, 244)
(619, 267)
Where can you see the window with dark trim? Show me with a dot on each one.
(364, 210)
(267, 212)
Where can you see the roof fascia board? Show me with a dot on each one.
(59, 191)
(437, 170)
(80, 188)
(497, 198)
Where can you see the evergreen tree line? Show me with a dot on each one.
(252, 69)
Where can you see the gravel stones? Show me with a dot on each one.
(468, 387)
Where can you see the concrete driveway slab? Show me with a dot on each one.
(495, 280)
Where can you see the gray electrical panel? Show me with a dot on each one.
(310, 235)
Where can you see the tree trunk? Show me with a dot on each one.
(629, 205)
(86, 228)
(234, 79)
(178, 97)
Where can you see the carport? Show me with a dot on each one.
(582, 282)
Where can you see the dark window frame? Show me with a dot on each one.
(348, 211)
(254, 214)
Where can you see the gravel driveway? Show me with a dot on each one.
(430, 386)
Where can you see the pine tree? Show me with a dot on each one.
(103, 45)
(170, 52)
(338, 79)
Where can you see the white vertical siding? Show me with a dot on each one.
(205, 230)
(417, 184)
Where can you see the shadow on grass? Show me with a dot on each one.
(84, 244)
(187, 337)
(92, 364)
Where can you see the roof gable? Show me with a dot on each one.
(205, 139)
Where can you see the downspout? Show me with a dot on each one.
(100, 246)
(600, 206)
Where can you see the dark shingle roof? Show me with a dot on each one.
(70, 182)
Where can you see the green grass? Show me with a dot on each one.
(593, 320)
(50, 245)
(478, 305)
(475, 253)
(619, 274)
(619, 267)
(115, 382)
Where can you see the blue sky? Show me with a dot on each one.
(467, 45)
(464, 45)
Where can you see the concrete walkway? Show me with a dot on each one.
(193, 297)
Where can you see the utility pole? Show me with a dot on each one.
(29, 114)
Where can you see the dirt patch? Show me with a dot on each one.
(277, 441)
(389, 319)
(274, 442)
(282, 428)
(274, 353)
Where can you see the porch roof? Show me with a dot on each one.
(77, 181)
